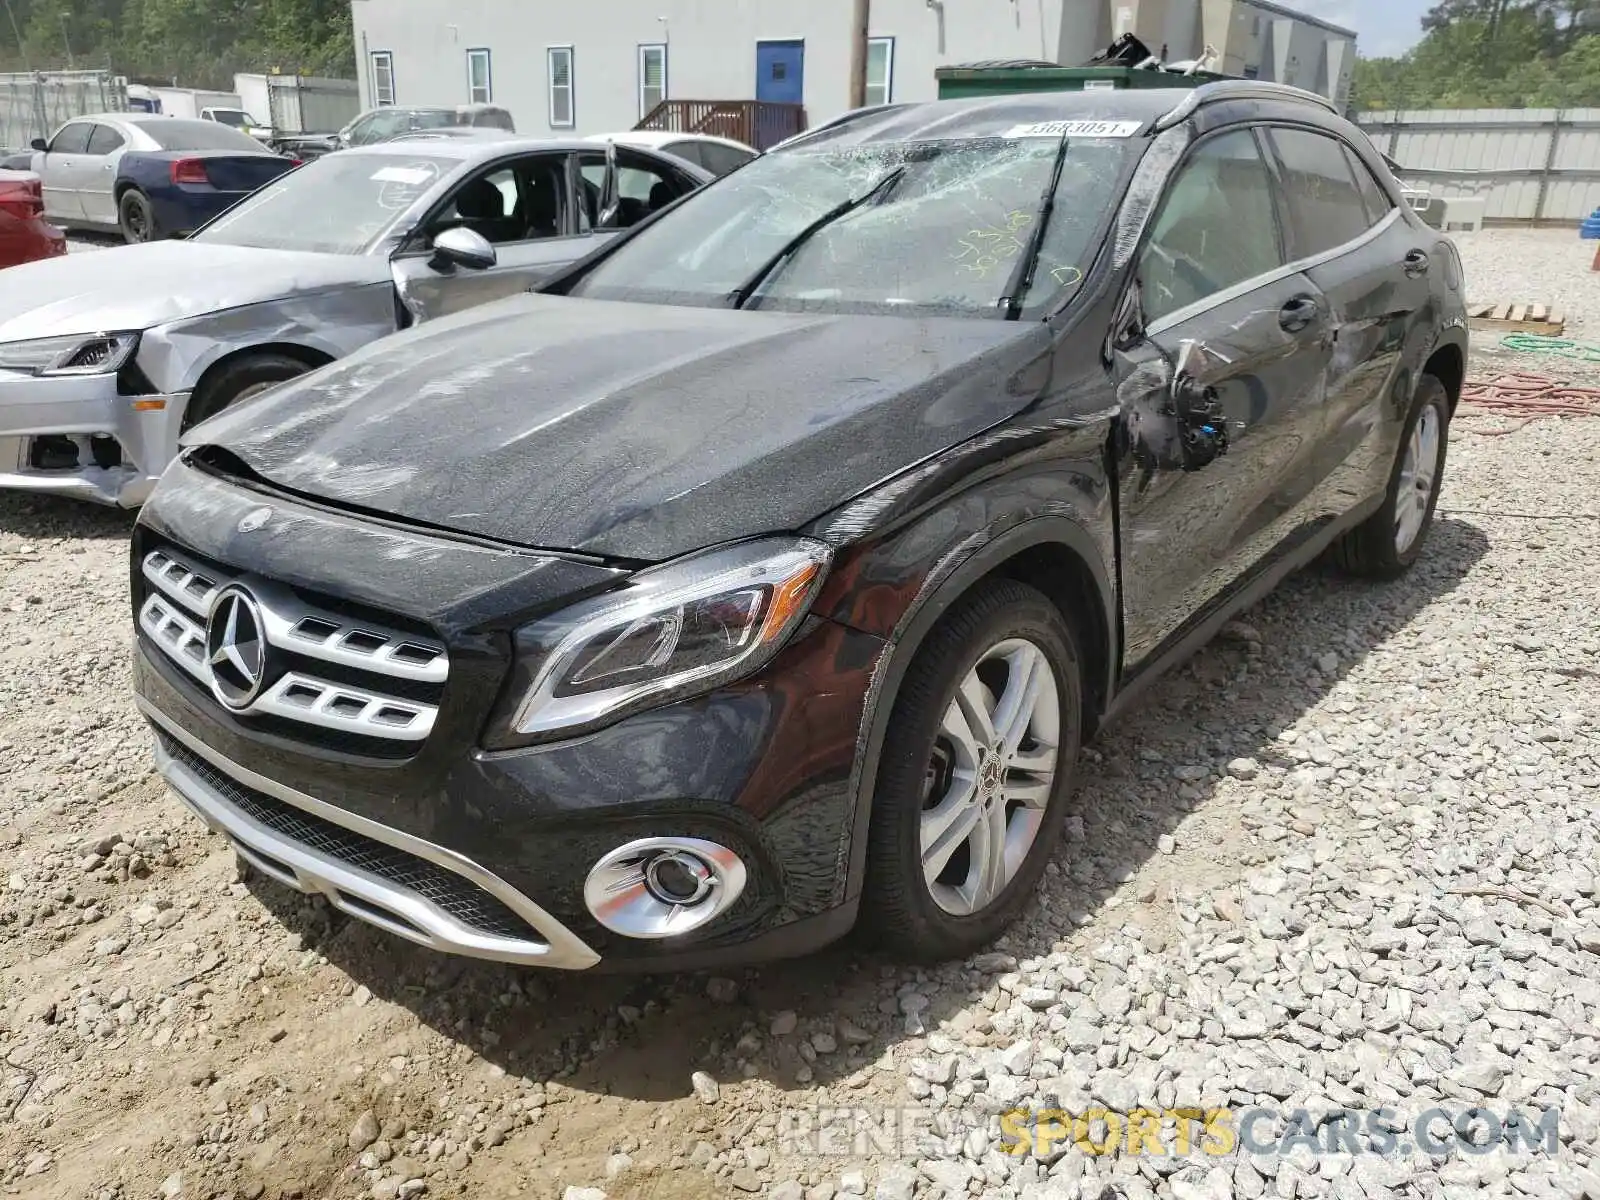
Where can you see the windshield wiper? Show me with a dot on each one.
(745, 290)
(1022, 274)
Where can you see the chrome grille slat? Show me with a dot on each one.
(174, 616)
(181, 638)
(384, 658)
(181, 581)
(319, 709)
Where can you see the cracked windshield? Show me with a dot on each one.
(938, 228)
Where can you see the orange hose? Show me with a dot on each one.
(1519, 394)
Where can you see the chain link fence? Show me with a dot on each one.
(33, 104)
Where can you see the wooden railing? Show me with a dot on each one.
(756, 123)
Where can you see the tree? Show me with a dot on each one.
(1492, 54)
(198, 43)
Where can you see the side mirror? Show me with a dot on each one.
(462, 248)
(39, 144)
(1202, 423)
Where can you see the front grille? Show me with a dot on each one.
(454, 894)
(339, 681)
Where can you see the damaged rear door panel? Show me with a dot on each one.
(1374, 267)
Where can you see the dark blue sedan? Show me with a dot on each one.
(148, 176)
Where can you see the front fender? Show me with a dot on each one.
(899, 585)
(332, 323)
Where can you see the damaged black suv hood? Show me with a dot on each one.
(628, 430)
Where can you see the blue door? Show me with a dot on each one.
(781, 72)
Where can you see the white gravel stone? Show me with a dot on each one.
(706, 1089)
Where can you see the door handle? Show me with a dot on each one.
(1416, 263)
(1298, 314)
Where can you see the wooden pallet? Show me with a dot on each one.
(1517, 318)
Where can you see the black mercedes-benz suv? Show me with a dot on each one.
(766, 573)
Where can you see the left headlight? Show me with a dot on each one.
(79, 354)
(673, 631)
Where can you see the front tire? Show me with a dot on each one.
(1391, 540)
(137, 218)
(239, 380)
(977, 767)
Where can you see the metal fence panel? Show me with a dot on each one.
(1530, 164)
(35, 104)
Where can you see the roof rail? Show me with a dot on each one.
(1239, 89)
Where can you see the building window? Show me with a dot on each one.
(382, 78)
(480, 87)
(561, 108)
(880, 70)
(652, 78)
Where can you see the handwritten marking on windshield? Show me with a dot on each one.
(982, 250)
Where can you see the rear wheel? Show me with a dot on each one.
(976, 770)
(239, 380)
(137, 218)
(1387, 543)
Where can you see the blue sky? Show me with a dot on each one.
(1383, 27)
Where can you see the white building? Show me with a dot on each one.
(601, 65)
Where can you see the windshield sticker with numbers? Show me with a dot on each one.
(1083, 129)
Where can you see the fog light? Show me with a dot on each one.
(662, 887)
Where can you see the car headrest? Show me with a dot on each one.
(480, 200)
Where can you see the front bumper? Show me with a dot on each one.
(81, 412)
(399, 883)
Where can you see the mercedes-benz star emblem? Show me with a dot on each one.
(236, 649)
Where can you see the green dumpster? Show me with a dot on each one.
(1010, 78)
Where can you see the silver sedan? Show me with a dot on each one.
(107, 357)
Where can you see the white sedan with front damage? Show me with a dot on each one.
(107, 357)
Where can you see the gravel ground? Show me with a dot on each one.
(1344, 859)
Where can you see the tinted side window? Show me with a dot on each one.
(1372, 194)
(71, 139)
(688, 151)
(1215, 228)
(1325, 205)
(104, 140)
(719, 159)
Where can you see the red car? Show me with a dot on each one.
(24, 235)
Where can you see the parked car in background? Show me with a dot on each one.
(381, 124)
(767, 574)
(148, 176)
(717, 155)
(105, 358)
(237, 118)
(25, 236)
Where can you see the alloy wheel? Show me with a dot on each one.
(990, 778)
(1418, 474)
